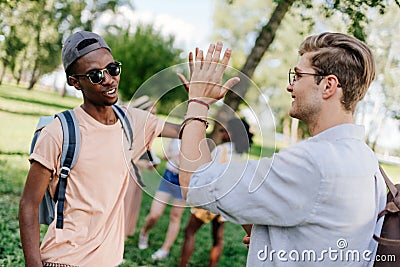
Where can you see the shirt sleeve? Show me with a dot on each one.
(264, 191)
(47, 149)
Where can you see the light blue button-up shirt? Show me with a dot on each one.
(313, 204)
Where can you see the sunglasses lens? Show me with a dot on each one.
(96, 76)
(114, 69)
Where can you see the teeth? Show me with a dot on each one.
(111, 91)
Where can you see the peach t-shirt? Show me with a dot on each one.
(93, 233)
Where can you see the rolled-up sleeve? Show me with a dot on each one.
(48, 146)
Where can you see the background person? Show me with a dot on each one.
(312, 195)
(236, 141)
(148, 161)
(169, 188)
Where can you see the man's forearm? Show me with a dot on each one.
(205, 88)
(30, 235)
(194, 148)
(170, 130)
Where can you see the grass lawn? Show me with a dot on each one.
(19, 113)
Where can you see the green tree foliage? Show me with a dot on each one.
(272, 31)
(12, 47)
(95, 8)
(45, 42)
(143, 54)
(353, 13)
(381, 103)
(31, 32)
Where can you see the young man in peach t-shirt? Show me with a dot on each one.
(93, 232)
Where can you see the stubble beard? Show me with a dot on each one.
(306, 114)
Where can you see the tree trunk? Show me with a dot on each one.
(262, 43)
(294, 131)
(36, 70)
(33, 81)
(18, 76)
(34, 77)
(3, 72)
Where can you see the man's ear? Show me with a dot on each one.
(74, 82)
(331, 86)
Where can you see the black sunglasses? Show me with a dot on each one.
(97, 76)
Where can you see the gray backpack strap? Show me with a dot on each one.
(72, 137)
(126, 123)
(43, 121)
(69, 156)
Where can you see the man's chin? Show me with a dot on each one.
(112, 102)
(292, 114)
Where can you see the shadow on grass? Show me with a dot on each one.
(14, 153)
(24, 113)
(34, 101)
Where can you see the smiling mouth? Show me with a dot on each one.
(112, 91)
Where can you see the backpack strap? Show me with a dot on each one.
(127, 125)
(392, 206)
(43, 121)
(392, 188)
(137, 173)
(69, 156)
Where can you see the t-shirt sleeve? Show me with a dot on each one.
(47, 149)
(265, 191)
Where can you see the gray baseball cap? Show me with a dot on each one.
(73, 47)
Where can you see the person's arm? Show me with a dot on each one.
(35, 187)
(246, 238)
(170, 130)
(247, 228)
(205, 86)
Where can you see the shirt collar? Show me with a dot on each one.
(342, 131)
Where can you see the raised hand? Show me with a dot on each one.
(206, 74)
(191, 66)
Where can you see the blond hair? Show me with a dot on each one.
(346, 57)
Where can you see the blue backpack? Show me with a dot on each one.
(69, 156)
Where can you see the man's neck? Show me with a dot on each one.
(330, 120)
(103, 114)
